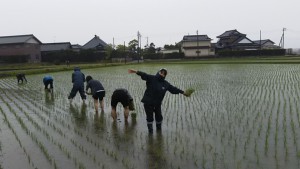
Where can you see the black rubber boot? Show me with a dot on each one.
(158, 127)
(150, 128)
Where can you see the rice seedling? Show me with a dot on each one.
(218, 127)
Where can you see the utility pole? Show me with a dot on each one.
(113, 46)
(259, 39)
(124, 52)
(139, 49)
(284, 29)
(197, 45)
(281, 43)
(147, 41)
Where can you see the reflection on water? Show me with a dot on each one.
(79, 114)
(155, 149)
(49, 97)
(99, 122)
(123, 137)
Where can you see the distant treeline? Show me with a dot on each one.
(59, 57)
(241, 53)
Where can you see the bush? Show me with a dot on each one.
(240, 53)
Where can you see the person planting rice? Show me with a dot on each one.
(21, 77)
(123, 96)
(156, 88)
(97, 92)
(48, 80)
(78, 79)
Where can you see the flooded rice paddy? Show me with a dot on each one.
(240, 116)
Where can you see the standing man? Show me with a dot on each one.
(156, 88)
(78, 80)
(21, 77)
(97, 91)
(48, 80)
(123, 96)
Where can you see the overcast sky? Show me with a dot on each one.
(160, 21)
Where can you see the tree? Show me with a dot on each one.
(108, 51)
(133, 47)
(150, 49)
(176, 46)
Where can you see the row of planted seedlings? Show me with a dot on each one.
(105, 136)
(124, 159)
(252, 127)
(130, 141)
(16, 124)
(26, 107)
(44, 120)
(270, 102)
(232, 116)
(8, 135)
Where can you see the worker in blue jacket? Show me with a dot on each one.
(156, 88)
(78, 79)
(48, 80)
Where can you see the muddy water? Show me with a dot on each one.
(240, 116)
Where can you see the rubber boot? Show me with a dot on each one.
(150, 128)
(158, 127)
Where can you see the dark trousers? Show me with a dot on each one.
(21, 79)
(153, 110)
(47, 83)
(75, 89)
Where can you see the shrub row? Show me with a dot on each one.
(240, 53)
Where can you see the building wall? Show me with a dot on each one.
(200, 43)
(193, 52)
(169, 51)
(31, 50)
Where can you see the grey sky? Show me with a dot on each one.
(162, 21)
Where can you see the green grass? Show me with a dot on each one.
(13, 69)
(7, 70)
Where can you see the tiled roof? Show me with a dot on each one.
(263, 41)
(18, 39)
(76, 46)
(193, 38)
(94, 43)
(55, 46)
(230, 33)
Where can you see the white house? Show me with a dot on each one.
(197, 46)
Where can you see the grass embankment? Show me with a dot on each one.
(235, 60)
(37, 68)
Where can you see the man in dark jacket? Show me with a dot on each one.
(21, 77)
(156, 88)
(123, 96)
(78, 80)
(97, 92)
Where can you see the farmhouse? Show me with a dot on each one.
(95, 43)
(52, 47)
(76, 47)
(234, 40)
(266, 44)
(196, 46)
(50, 51)
(20, 48)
